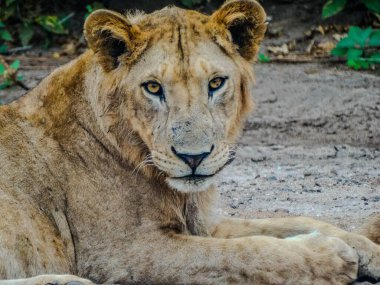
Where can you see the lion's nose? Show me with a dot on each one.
(192, 160)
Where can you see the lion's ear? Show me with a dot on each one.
(110, 35)
(246, 22)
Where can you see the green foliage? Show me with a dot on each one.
(20, 26)
(372, 5)
(91, 8)
(5, 36)
(361, 48)
(8, 9)
(15, 65)
(263, 58)
(333, 7)
(9, 74)
(25, 33)
(52, 24)
(3, 48)
(191, 3)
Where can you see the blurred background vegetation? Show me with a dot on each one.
(298, 31)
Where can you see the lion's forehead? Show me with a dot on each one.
(179, 46)
(164, 61)
(170, 17)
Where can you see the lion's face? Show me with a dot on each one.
(184, 94)
(186, 108)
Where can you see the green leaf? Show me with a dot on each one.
(263, 58)
(372, 5)
(9, 2)
(89, 8)
(375, 58)
(346, 42)
(7, 11)
(47, 42)
(339, 51)
(360, 63)
(191, 3)
(51, 24)
(332, 7)
(364, 36)
(2, 25)
(15, 65)
(353, 64)
(374, 41)
(364, 64)
(3, 48)
(359, 36)
(6, 83)
(5, 35)
(354, 32)
(25, 33)
(2, 69)
(354, 53)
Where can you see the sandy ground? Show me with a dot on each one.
(312, 147)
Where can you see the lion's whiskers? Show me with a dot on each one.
(148, 161)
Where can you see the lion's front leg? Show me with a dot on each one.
(183, 259)
(368, 251)
(275, 227)
(32, 245)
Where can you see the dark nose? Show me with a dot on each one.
(192, 160)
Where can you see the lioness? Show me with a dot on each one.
(108, 165)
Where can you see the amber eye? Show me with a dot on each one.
(153, 87)
(216, 84)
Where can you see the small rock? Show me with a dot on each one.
(312, 190)
(272, 178)
(286, 189)
(259, 159)
(279, 210)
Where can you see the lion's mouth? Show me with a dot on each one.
(200, 177)
(194, 177)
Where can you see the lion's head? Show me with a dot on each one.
(171, 88)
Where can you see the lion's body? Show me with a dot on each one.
(72, 186)
(73, 199)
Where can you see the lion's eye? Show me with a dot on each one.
(153, 87)
(216, 84)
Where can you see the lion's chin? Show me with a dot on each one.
(191, 184)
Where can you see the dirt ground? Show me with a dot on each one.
(312, 147)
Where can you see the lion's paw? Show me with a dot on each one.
(369, 256)
(330, 260)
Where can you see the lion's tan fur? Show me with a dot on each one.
(77, 198)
